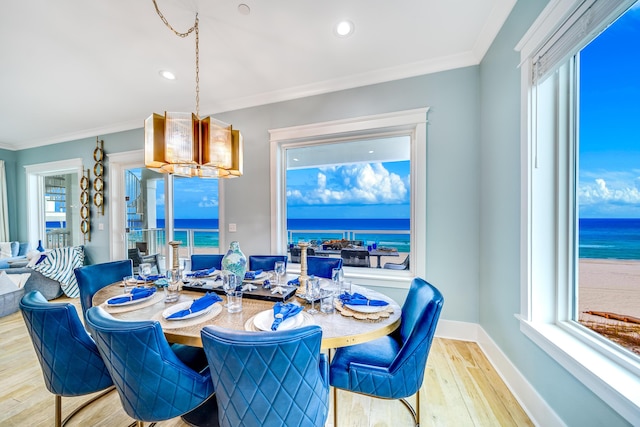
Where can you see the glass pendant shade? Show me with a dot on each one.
(180, 144)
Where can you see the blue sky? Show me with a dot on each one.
(610, 122)
(358, 190)
(195, 198)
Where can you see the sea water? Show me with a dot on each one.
(609, 238)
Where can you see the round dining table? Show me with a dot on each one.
(339, 329)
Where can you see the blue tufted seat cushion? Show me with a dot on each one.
(379, 353)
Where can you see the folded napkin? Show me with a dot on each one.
(197, 305)
(293, 282)
(359, 299)
(136, 293)
(282, 311)
(202, 273)
(152, 278)
(251, 275)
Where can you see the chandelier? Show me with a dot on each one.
(186, 145)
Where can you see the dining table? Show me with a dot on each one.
(377, 253)
(343, 327)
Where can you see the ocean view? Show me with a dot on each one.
(385, 232)
(610, 238)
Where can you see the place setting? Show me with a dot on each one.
(133, 298)
(282, 317)
(360, 307)
(188, 312)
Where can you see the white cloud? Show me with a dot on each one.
(363, 183)
(600, 192)
(206, 202)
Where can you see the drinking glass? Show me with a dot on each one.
(129, 283)
(229, 284)
(174, 286)
(337, 275)
(313, 293)
(144, 270)
(280, 269)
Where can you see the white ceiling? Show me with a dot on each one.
(81, 68)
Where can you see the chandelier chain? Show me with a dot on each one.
(183, 35)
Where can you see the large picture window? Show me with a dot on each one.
(356, 184)
(581, 257)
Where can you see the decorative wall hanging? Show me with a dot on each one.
(98, 171)
(85, 206)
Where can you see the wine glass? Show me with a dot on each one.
(144, 270)
(280, 269)
(313, 293)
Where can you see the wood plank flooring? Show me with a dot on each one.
(461, 388)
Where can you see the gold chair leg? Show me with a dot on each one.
(79, 408)
(58, 404)
(413, 412)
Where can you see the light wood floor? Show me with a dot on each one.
(460, 389)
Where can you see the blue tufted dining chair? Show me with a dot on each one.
(322, 266)
(153, 382)
(392, 367)
(268, 378)
(265, 262)
(202, 261)
(92, 278)
(69, 358)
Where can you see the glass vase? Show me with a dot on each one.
(235, 261)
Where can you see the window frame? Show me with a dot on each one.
(548, 188)
(410, 122)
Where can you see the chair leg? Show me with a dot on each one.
(407, 405)
(78, 409)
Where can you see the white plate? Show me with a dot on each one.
(135, 301)
(367, 308)
(264, 320)
(184, 306)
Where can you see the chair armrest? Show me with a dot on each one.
(324, 369)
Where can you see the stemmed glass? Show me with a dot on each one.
(313, 293)
(144, 270)
(280, 269)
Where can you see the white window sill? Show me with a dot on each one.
(615, 383)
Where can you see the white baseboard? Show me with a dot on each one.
(532, 403)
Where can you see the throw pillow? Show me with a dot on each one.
(5, 250)
(6, 284)
(18, 279)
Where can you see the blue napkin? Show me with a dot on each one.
(197, 305)
(251, 275)
(359, 299)
(282, 311)
(136, 293)
(293, 282)
(202, 273)
(152, 278)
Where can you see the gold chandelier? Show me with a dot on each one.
(186, 145)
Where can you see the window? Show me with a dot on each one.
(359, 181)
(576, 139)
(138, 211)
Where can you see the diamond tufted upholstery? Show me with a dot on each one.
(202, 261)
(321, 266)
(268, 378)
(92, 278)
(392, 367)
(70, 361)
(153, 382)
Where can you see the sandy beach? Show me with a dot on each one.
(609, 285)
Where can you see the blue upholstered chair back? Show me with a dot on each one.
(420, 314)
(153, 383)
(69, 358)
(202, 261)
(322, 266)
(92, 278)
(265, 262)
(268, 378)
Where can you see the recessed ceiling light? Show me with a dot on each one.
(167, 75)
(244, 9)
(344, 28)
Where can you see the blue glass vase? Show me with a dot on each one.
(235, 261)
